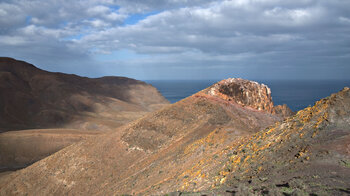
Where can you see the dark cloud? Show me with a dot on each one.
(183, 38)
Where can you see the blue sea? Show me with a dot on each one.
(296, 94)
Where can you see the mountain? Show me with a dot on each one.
(60, 109)
(32, 98)
(157, 153)
(308, 153)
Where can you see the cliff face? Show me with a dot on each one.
(33, 98)
(248, 94)
(151, 155)
(244, 92)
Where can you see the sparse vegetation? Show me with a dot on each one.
(345, 163)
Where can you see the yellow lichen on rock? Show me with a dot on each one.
(321, 119)
(211, 139)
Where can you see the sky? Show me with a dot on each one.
(181, 39)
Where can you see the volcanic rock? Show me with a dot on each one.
(248, 94)
(244, 92)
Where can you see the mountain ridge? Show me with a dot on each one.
(34, 98)
(226, 139)
(307, 153)
(140, 154)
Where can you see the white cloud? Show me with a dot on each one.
(97, 10)
(344, 19)
(98, 23)
(12, 40)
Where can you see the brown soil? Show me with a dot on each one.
(4, 174)
(19, 149)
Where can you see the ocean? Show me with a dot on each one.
(297, 94)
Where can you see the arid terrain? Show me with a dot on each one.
(18, 149)
(156, 150)
(31, 98)
(42, 112)
(228, 139)
(175, 98)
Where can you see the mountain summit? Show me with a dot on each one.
(244, 92)
(247, 94)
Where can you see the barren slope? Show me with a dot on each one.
(18, 149)
(73, 108)
(33, 98)
(153, 152)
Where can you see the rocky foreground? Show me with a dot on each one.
(306, 154)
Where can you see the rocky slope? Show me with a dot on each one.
(33, 98)
(307, 154)
(154, 154)
(73, 107)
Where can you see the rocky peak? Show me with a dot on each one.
(244, 92)
(248, 94)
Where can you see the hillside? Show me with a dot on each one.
(32, 98)
(19, 149)
(43, 112)
(308, 153)
(150, 155)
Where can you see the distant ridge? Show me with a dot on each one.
(34, 98)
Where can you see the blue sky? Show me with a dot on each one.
(135, 18)
(181, 39)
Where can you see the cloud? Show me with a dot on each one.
(248, 37)
(141, 6)
(223, 27)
